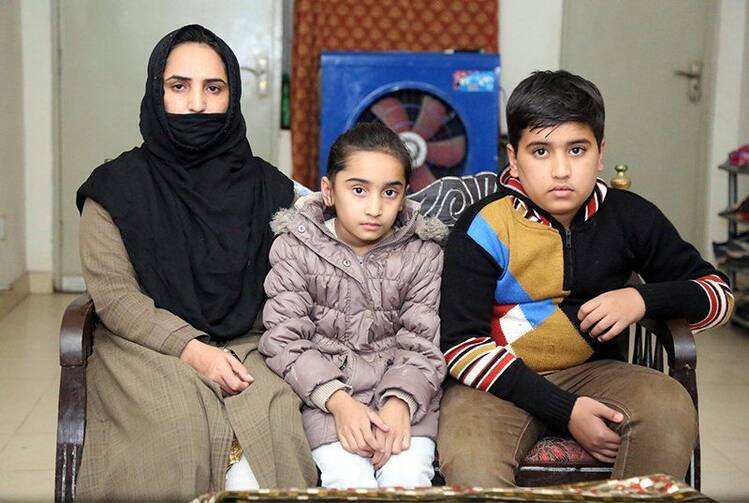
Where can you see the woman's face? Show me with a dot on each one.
(195, 80)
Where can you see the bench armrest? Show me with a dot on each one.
(76, 332)
(677, 340)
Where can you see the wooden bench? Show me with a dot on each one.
(553, 460)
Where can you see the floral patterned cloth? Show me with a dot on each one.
(652, 488)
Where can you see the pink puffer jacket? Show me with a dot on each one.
(368, 323)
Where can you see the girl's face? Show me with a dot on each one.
(367, 195)
(195, 80)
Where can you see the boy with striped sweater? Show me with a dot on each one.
(534, 295)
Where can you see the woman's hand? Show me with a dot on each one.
(217, 365)
(353, 424)
(397, 416)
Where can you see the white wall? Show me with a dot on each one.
(727, 110)
(744, 125)
(36, 32)
(530, 38)
(284, 152)
(12, 248)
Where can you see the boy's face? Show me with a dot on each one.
(558, 167)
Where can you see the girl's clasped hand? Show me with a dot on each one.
(364, 432)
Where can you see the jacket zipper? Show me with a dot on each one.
(368, 293)
(570, 275)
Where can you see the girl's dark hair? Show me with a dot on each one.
(548, 99)
(367, 137)
(195, 33)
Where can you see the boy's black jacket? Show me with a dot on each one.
(514, 280)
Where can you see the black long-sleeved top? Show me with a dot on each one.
(514, 280)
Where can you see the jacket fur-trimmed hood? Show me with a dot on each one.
(282, 221)
(427, 228)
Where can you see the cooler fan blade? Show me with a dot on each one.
(431, 116)
(420, 178)
(391, 112)
(447, 153)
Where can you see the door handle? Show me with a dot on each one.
(689, 75)
(260, 71)
(694, 74)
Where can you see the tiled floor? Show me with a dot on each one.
(28, 404)
(29, 377)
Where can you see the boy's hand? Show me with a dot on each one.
(588, 426)
(397, 416)
(217, 365)
(353, 424)
(611, 312)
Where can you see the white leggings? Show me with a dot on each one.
(341, 469)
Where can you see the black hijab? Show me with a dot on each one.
(193, 205)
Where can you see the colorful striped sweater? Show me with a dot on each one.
(514, 280)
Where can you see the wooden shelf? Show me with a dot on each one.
(734, 218)
(734, 266)
(744, 170)
(738, 320)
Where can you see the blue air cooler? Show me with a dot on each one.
(445, 107)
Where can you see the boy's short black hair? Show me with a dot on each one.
(367, 137)
(548, 99)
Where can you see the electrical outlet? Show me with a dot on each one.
(2, 227)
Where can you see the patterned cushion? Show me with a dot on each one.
(447, 197)
(559, 451)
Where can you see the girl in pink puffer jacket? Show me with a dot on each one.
(351, 317)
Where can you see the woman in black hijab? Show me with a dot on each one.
(174, 247)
